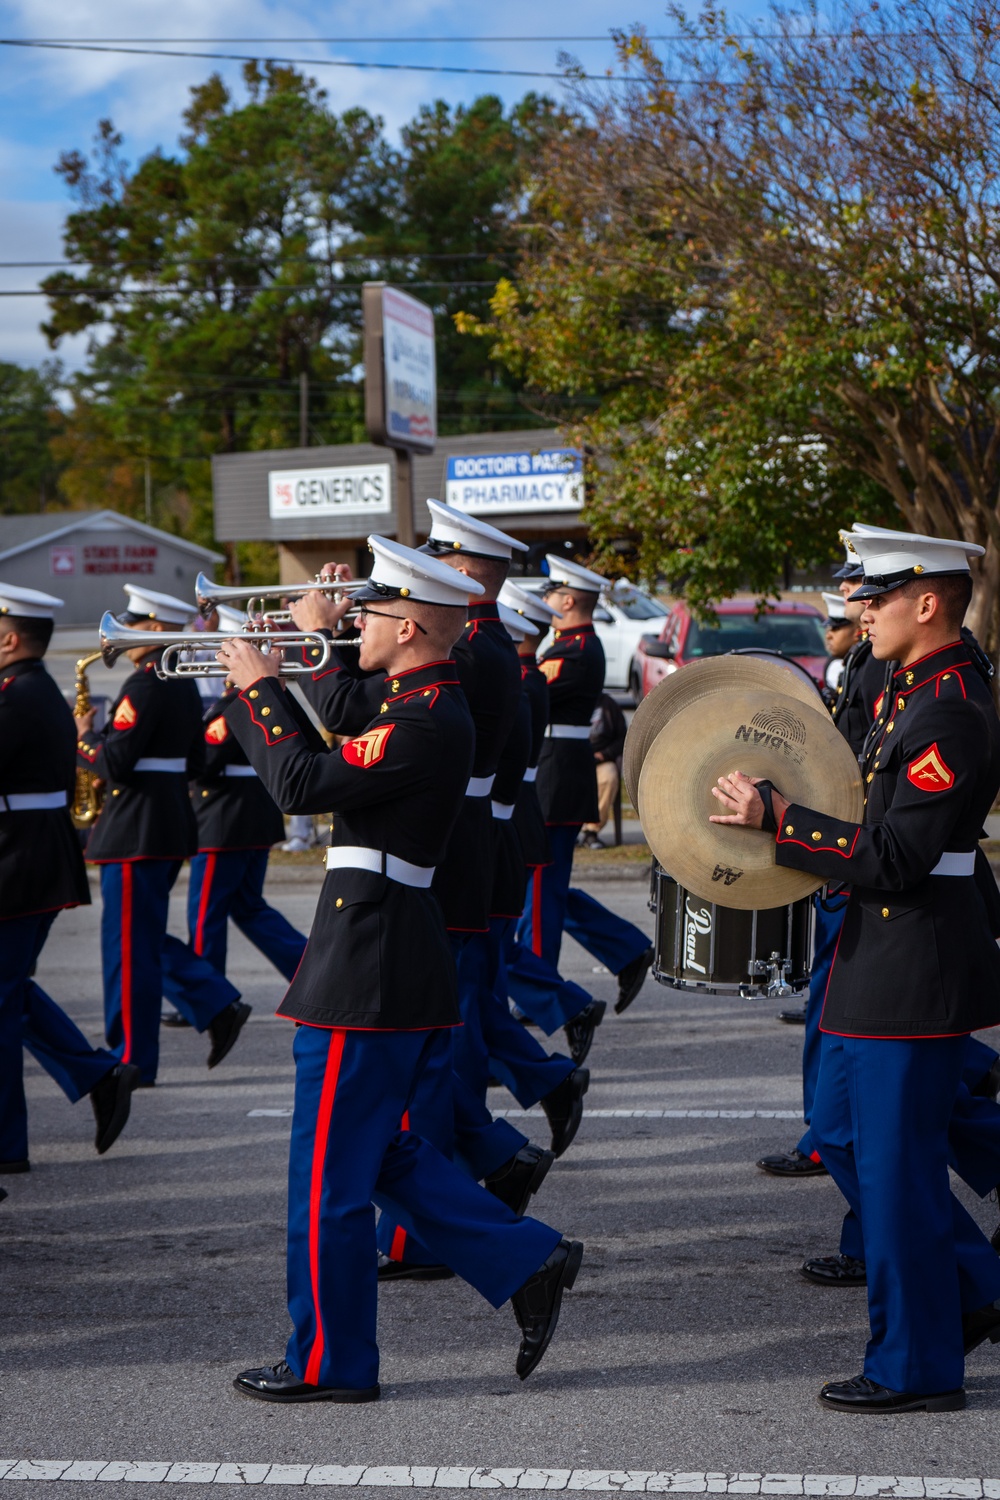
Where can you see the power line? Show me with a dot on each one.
(306, 62)
(88, 290)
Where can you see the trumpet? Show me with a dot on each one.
(117, 639)
(209, 594)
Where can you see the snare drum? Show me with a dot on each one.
(719, 951)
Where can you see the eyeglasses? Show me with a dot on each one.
(364, 612)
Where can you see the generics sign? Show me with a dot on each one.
(550, 479)
(359, 489)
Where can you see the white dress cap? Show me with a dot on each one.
(453, 531)
(836, 611)
(231, 621)
(892, 558)
(573, 576)
(30, 604)
(153, 606)
(404, 573)
(518, 626)
(531, 606)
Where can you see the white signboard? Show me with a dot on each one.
(410, 384)
(362, 489)
(550, 479)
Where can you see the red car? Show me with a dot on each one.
(796, 630)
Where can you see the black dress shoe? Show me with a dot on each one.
(225, 1028)
(564, 1108)
(277, 1383)
(173, 1019)
(111, 1099)
(517, 1179)
(835, 1270)
(631, 980)
(989, 1085)
(8, 1168)
(862, 1394)
(536, 1305)
(981, 1325)
(792, 1163)
(793, 1017)
(580, 1031)
(401, 1270)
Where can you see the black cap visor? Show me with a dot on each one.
(884, 583)
(849, 570)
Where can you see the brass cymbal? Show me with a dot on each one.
(710, 675)
(766, 734)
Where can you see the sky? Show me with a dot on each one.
(51, 101)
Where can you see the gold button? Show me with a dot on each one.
(890, 726)
(276, 729)
(885, 911)
(870, 776)
(253, 693)
(877, 764)
(340, 902)
(946, 676)
(404, 593)
(909, 678)
(881, 721)
(789, 829)
(817, 836)
(384, 708)
(264, 712)
(900, 703)
(314, 651)
(841, 843)
(427, 692)
(395, 684)
(115, 792)
(204, 794)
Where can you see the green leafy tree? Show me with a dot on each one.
(29, 418)
(772, 267)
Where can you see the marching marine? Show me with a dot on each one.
(375, 996)
(903, 995)
(150, 747)
(41, 874)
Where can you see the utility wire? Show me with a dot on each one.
(308, 62)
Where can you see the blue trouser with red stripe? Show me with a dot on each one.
(349, 1153)
(973, 1131)
(142, 962)
(514, 1055)
(552, 908)
(928, 1262)
(230, 883)
(829, 921)
(449, 1110)
(30, 1018)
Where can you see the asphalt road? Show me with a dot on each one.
(134, 1286)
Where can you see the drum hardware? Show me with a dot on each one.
(779, 969)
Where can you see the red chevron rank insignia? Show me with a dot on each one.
(125, 715)
(929, 772)
(551, 669)
(369, 748)
(217, 731)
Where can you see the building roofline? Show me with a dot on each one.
(86, 518)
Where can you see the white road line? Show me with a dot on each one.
(644, 1481)
(612, 1114)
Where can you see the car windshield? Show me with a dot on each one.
(794, 635)
(636, 606)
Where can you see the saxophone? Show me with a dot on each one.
(88, 797)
